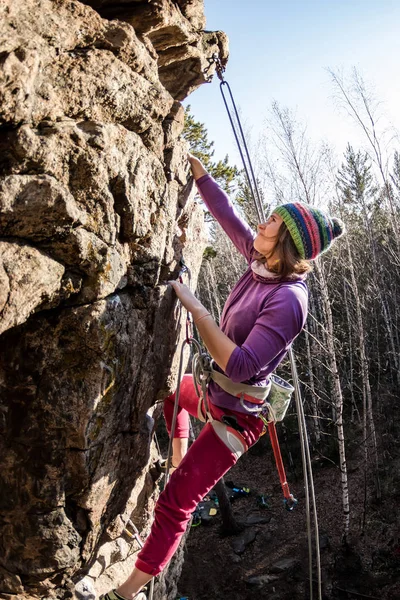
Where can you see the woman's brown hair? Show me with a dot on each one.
(289, 261)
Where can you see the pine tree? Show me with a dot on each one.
(245, 201)
(195, 133)
(355, 180)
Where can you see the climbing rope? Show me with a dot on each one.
(196, 353)
(200, 368)
(289, 500)
(190, 341)
(308, 482)
(305, 450)
(240, 139)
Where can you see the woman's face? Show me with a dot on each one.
(267, 234)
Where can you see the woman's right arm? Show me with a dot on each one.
(222, 209)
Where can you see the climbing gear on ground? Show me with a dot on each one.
(262, 501)
(205, 510)
(305, 451)
(236, 491)
(212, 496)
(196, 519)
(209, 506)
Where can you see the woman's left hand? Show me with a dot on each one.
(187, 298)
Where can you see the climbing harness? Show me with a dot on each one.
(305, 451)
(227, 430)
(308, 482)
(270, 403)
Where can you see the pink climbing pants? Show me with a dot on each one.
(206, 461)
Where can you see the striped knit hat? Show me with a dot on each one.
(312, 230)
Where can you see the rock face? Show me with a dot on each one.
(96, 209)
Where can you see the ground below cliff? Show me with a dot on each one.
(275, 564)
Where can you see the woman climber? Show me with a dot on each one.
(264, 313)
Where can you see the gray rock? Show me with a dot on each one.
(257, 520)
(28, 280)
(259, 581)
(175, 32)
(10, 583)
(285, 564)
(247, 537)
(85, 590)
(37, 207)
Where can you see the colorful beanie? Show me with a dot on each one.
(312, 230)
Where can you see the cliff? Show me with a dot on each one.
(96, 209)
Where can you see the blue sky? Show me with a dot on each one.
(280, 51)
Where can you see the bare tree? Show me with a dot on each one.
(307, 168)
(364, 109)
(356, 185)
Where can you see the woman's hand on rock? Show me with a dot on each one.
(197, 168)
(187, 298)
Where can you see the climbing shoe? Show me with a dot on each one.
(113, 595)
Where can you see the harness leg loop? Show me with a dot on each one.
(230, 437)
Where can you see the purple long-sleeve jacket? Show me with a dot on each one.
(261, 316)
